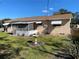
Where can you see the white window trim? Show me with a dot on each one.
(58, 22)
(38, 22)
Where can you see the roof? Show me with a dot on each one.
(8, 21)
(38, 18)
(54, 17)
(62, 16)
(24, 19)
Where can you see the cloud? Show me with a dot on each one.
(45, 11)
(50, 8)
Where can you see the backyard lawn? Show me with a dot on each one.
(24, 48)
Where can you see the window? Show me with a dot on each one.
(30, 26)
(39, 23)
(22, 26)
(56, 23)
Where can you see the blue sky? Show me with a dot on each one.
(29, 8)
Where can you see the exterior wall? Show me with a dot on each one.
(40, 29)
(1, 29)
(64, 29)
(11, 29)
(47, 28)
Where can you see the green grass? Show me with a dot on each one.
(27, 51)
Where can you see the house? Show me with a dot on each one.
(53, 25)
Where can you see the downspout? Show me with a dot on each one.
(28, 30)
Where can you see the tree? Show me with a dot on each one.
(76, 17)
(75, 38)
(6, 19)
(62, 11)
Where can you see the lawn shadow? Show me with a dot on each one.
(1, 38)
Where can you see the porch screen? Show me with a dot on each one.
(56, 22)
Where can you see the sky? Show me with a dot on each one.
(30, 8)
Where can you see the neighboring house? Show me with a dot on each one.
(7, 26)
(53, 25)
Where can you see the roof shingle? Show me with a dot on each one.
(54, 17)
(38, 18)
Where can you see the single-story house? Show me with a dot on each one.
(53, 25)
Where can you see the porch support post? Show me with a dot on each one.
(28, 30)
(6, 28)
(28, 27)
(11, 27)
